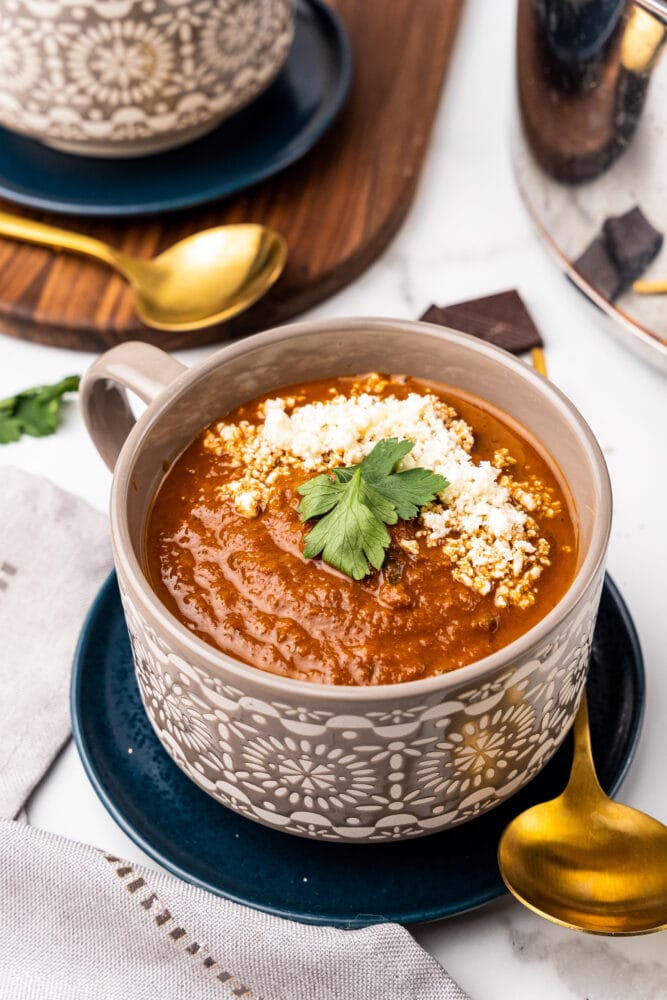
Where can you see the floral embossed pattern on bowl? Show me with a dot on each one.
(129, 77)
(381, 774)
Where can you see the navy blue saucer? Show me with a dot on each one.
(322, 883)
(268, 135)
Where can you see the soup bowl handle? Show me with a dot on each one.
(145, 370)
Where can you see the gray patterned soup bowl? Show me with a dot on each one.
(132, 77)
(324, 761)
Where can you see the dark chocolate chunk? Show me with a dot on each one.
(598, 268)
(632, 243)
(432, 315)
(501, 319)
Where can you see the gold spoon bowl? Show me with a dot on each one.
(584, 861)
(201, 280)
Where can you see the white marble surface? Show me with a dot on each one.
(467, 235)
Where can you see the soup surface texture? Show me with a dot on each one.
(478, 567)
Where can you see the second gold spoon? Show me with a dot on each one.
(585, 861)
(201, 280)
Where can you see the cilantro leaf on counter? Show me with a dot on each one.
(34, 411)
(356, 503)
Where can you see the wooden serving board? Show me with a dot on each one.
(338, 207)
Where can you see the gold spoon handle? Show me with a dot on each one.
(539, 361)
(583, 779)
(31, 231)
(583, 768)
(650, 287)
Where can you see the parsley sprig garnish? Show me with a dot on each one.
(34, 411)
(355, 504)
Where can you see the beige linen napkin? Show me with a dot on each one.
(79, 924)
(54, 555)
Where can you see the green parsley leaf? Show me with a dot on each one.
(34, 411)
(356, 503)
(383, 459)
(408, 490)
(323, 493)
(10, 430)
(351, 535)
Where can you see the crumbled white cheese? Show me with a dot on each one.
(248, 503)
(482, 519)
(347, 428)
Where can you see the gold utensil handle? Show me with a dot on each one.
(582, 763)
(539, 361)
(32, 231)
(583, 774)
(650, 287)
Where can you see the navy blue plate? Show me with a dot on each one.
(322, 883)
(272, 132)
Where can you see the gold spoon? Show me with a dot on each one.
(204, 279)
(584, 861)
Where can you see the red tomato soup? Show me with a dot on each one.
(477, 567)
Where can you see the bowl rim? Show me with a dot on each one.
(226, 667)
